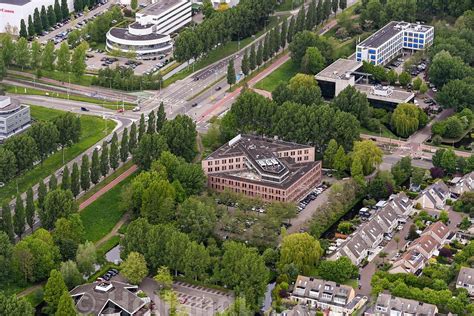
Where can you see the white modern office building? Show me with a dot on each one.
(388, 42)
(13, 11)
(150, 33)
(14, 117)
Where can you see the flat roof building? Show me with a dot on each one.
(150, 34)
(14, 117)
(465, 279)
(385, 44)
(271, 169)
(348, 72)
(109, 298)
(13, 11)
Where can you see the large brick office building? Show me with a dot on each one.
(271, 169)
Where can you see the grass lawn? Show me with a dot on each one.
(101, 216)
(84, 80)
(288, 5)
(221, 52)
(92, 132)
(106, 181)
(31, 91)
(282, 74)
(385, 132)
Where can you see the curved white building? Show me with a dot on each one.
(150, 34)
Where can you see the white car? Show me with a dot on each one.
(136, 109)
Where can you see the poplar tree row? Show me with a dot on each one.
(43, 19)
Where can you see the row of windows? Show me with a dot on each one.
(224, 161)
(414, 45)
(415, 40)
(420, 35)
(223, 168)
(244, 185)
(249, 193)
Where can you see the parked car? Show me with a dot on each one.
(84, 109)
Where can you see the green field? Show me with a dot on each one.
(221, 52)
(385, 132)
(282, 74)
(288, 5)
(103, 214)
(31, 91)
(93, 130)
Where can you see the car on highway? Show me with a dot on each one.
(194, 104)
(98, 148)
(219, 88)
(83, 108)
(120, 110)
(136, 109)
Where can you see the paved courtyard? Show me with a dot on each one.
(193, 299)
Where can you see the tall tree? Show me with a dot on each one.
(95, 167)
(7, 223)
(48, 56)
(57, 11)
(64, 58)
(340, 161)
(335, 6)
(104, 160)
(78, 59)
(326, 9)
(23, 31)
(44, 18)
(64, 9)
(291, 30)
(66, 179)
(134, 268)
(31, 27)
(132, 142)
(7, 164)
(231, 79)
(65, 305)
(245, 64)
(141, 127)
(53, 182)
(330, 153)
(86, 257)
(53, 290)
(71, 274)
(42, 192)
(196, 261)
(124, 146)
(30, 208)
(160, 117)
(114, 152)
(36, 55)
(253, 58)
(58, 204)
(266, 48)
(283, 33)
(85, 174)
(149, 148)
(19, 217)
(8, 50)
(51, 16)
(180, 134)
(259, 56)
(46, 137)
(22, 53)
(343, 4)
(134, 4)
(300, 20)
(75, 180)
(301, 250)
(151, 128)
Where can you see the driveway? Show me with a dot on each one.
(304, 217)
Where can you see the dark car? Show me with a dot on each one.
(107, 277)
(194, 105)
(218, 88)
(84, 109)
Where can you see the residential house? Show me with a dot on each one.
(109, 298)
(422, 249)
(411, 261)
(387, 218)
(331, 298)
(402, 205)
(465, 279)
(459, 185)
(355, 249)
(388, 305)
(426, 245)
(439, 231)
(434, 196)
(372, 234)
